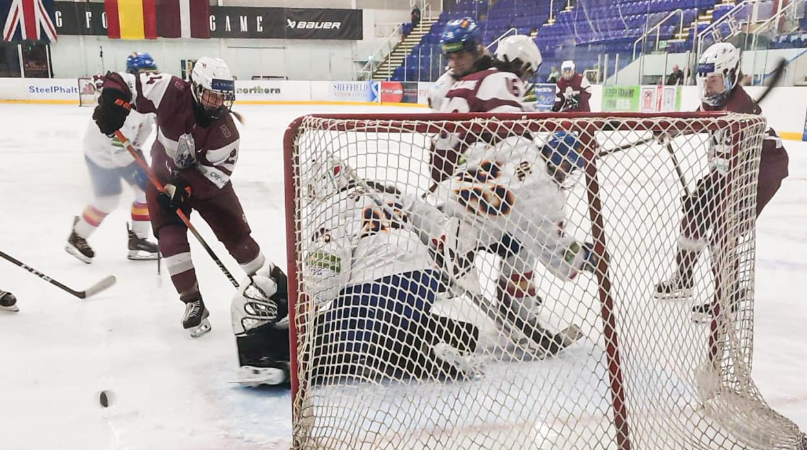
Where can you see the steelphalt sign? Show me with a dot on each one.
(227, 22)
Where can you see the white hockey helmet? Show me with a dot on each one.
(213, 86)
(567, 69)
(718, 72)
(521, 50)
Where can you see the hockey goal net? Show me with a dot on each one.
(87, 92)
(643, 375)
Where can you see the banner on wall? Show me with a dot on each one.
(423, 92)
(399, 92)
(31, 20)
(353, 91)
(641, 98)
(544, 97)
(198, 20)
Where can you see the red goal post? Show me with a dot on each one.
(643, 376)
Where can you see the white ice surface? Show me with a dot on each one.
(171, 392)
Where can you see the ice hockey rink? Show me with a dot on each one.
(171, 392)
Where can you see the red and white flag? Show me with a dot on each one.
(28, 20)
(183, 19)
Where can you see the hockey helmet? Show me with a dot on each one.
(140, 62)
(562, 155)
(213, 86)
(718, 72)
(567, 69)
(461, 35)
(520, 51)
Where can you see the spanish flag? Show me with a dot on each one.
(131, 19)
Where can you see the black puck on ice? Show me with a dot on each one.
(103, 398)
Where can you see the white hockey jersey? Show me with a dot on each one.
(361, 242)
(109, 152)
(438, 91)
(505, 191)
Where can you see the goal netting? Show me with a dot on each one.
(87, 92)
(383, 361)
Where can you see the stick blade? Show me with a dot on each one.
(104, 284)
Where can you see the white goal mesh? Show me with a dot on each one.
(461, 363)
(87, 92)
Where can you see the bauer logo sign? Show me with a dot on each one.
(89, 18)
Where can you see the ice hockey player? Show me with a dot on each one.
(8, 302)
(259, 313)
(572, 91)
(375, 281)
(461, 41)
(513, 194)
(194, 155)
(497, 89)
(718, 73)
(108, 163)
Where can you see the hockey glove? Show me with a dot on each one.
(113, 104)
(175, 195)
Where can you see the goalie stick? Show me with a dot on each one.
(182, 216)
(89, 292)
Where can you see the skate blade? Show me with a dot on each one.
(12, 308)
(140, 255)
(684, 294)
(200, 330)
(249, 376)
(74, 251)
(701, 318)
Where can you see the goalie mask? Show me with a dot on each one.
(562, 156)
(213, 88)
(717, 73)
(520, 54)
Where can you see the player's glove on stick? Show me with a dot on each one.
(113, 104)
(175, 195)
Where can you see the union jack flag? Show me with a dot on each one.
(28, 20)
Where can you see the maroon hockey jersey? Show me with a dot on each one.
(215, 147)
(774, 161)
(573, 95)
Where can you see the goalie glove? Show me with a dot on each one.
(262, 300)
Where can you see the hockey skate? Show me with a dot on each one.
(8, 302)
(549, 343)
(677, 287)
(195, 318)
(705, 313)
(78, 246)
(263, 371)
(141, 249)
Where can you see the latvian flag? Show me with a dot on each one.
(131, 19)
(184, 18)
(28, 20)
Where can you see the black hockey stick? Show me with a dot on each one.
(774, 79)
(92, 290)
(182, 216)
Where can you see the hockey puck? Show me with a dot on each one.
(104, 398)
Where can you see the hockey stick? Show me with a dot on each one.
(776, 76)
(182, 216)
(89, 292)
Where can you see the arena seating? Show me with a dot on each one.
(589, 29)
